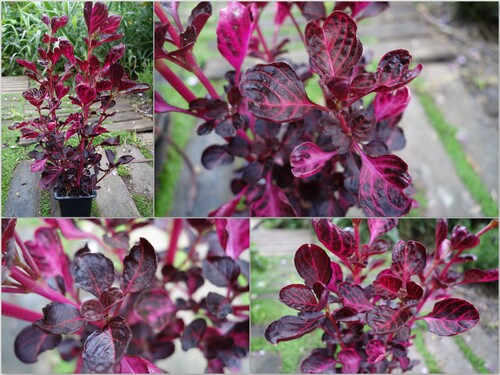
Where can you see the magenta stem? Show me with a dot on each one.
(163, 17)
(269, 56)
(493, 224)
(297, 26)
(27, 256)
(14, 311)
(201, 76)
(174, 239)
(174, 81)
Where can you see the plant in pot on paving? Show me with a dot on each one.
(72, 168)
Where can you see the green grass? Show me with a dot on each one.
(476, 362)
(447, 133)
(429, 359)
(266, 310)
(144, 204)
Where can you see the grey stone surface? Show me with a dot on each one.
(141, 173)
(447, 354)
(24, 193)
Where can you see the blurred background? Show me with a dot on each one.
(273, 246)
(451, 124)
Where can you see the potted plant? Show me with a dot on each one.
(67, 153)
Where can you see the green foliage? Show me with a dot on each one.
(146, 76)
(22, 30)
(144, 205)
(429, 359)
(286, 224)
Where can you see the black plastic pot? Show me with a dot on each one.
(75, 206)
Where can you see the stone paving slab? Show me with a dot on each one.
(24, 193)
(141, 173)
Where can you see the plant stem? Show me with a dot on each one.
(18, 312)
(493, 224)
(162, 15)
(297, 26)
(269, 56)
(27, 256)
(337, 331)
(174, 239)
(201, 76)
(174, 80)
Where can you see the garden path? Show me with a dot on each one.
(119, 196)
(472, 116)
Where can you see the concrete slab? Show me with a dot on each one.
(24, 193)
(141, 173)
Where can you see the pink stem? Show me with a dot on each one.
(174, 239)
(162, 15)
(301, 34)
(493, 224)
(174, 81)
(27, 256)
(14, 311)
(269, 56)
(201, 76)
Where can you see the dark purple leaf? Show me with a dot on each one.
(350, 360)
(412, 294)
(138, 365)
(220, 271)
(408, 260)
(103, 349)
(92, 310)
(234, 31)
(218, 305)
(110, 297)
(114, 54)
(338, 241)
(387, 286)
(67, 49)
(452, 316)
(93, 272)
(391, 104)
(312, 10)
(199, 16)
(375, 350)
(154, 306)
(299, 297)
(70, 348)
(216, 155)
(334, 48)
(60, 318)
(124, 159)
(462, 239)
(354, 296)
(307, 159)
(193, 333)
(337, 277)
(139, 267)
(275, 92)
(272, 203)
(31, 341)
(313, 265)
(253, 172)
(392, 71)
(379, 227)
(290, 327)
(475, 275)
(134, 88)
(319, 362)
(116, 73)
(382, 181)
(383, 319)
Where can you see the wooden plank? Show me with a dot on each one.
(143, 125)
(24, 193)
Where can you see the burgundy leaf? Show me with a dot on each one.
(382, 181)
(234, 31)
(95, 15)
(220, 271)
(57, 22)
(299, 297)
(313, 265)
(392, 71)
(111, 26)
(318, 362)
(408, 260)
(134, 88)
(290, 327)
(387, 286)
(31, 341)
(116, 73)
(391, 104)
(312, 10)
(354, 296)
(139, 267)
(103, 349)
(111, 297)
(193, 333)
(219, 305)
(60, 318)
(93, 272)
(216, 155)
(114, 54)
(154, 307)
(475, 275)
(124, 159)
(379, 227)
(85, 93)
(338, 241)
(307, 159)
(27, 64)
(462, 239)
(413, 293)
(375, 350)
(234, 235)
(130, 364)
(334, 48)
(452, 316)
(275, 92)
(92, 310)
(199, 16)
(337, 277)
(350, 360)
(272, 203)
(67, 49)
(384, 319)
